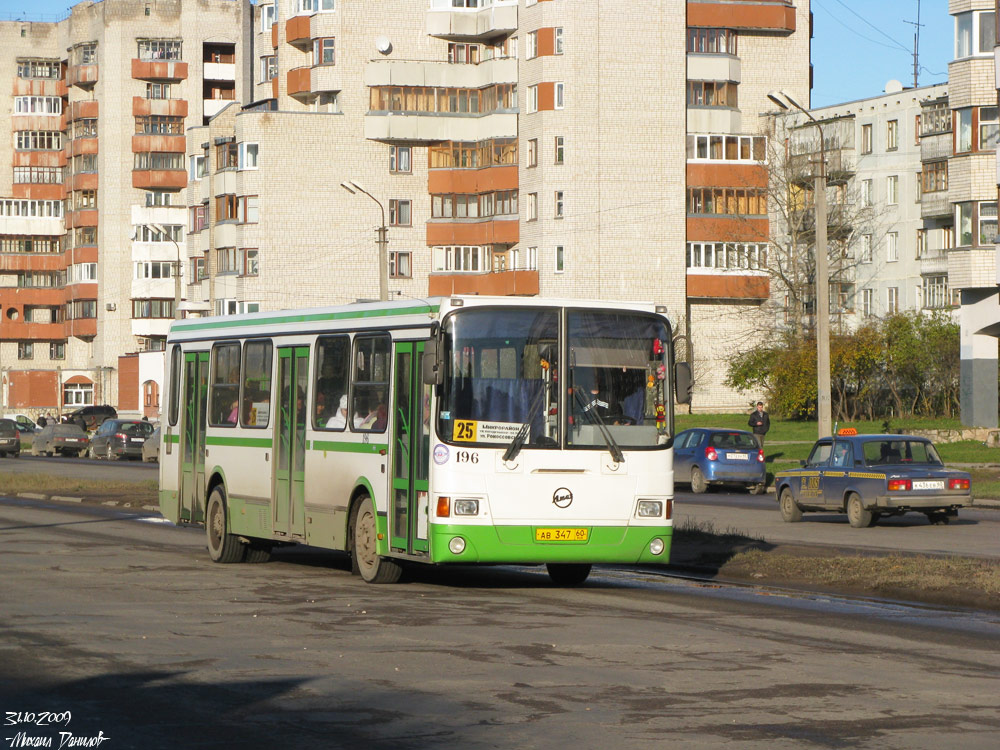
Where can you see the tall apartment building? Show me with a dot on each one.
(509, 147)
(91, 210)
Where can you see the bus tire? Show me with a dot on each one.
(258, 552)
(364, 546)
(223, 547)
(568, 574)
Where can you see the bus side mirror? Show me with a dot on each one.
(430, 367)
(682, 382)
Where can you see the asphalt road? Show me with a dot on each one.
(126, 624)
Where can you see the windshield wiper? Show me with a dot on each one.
(613, 449)
(522, 434)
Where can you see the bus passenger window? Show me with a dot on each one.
(256, 408)
(175, 385)
(224, 394)
(333, 355)
(370, 407)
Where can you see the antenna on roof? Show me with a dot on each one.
(916, 47)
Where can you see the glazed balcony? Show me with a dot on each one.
(840, 165)
(501, 283)
(159, 70)
(481, 24)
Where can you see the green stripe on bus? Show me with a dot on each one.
(172, 438)
(329, 445)
(242, 442)
(307, 318)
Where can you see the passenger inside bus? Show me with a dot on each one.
(339, 420)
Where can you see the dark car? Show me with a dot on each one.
(704, 456)
(120, 438)
(870, 476)
(10, 438)
(67, 439)
(151, 448)
(91, 417)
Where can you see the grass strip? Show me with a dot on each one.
(12, 483)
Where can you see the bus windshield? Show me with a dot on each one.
(503, 379)
(500, 373)
(616, 379)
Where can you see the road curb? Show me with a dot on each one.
(65, 499)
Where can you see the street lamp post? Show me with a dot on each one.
(824, 403)
(382, 240)
(175, 267)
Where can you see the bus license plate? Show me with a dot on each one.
(561, 535)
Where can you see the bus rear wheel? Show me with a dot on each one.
(372, 567)
(568, 574)
(223, 547)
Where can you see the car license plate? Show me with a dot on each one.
(71, 440)
(561, 535)
(738, 456)
(929, 485)
(138, 440)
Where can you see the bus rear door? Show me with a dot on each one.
(192, 432)
(410, 450)
(290, 441)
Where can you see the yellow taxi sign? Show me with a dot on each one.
(847, 431)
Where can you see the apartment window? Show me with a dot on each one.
(266, 17)
(198, 272)
(38, 140)
(85, 199)
(560, 149)
(268, 68)
(81, 272)
(159, 49)
(916, 130)
(248, 261)
(399, 212)
(38, 175)
(921, 243)
(248, 155)
(532, 103)
(225, 207)
(987, 223)
(152, 308)
(975, 33)
(50, 69)
(499, 96)
(81, 309)
(85, 164)
(170, 233)
(197, 168)
(37, 105)
(78, 394)
(524, 260)
(963, 224)
(25, 350)
(844, 297)
(936, 118)
(226, 260)
(85, 54)
(474, 154)
(43, 244)
(153, 270)
(892, 247)
(156, 125)
(57, 350)
(248, 209)
(989, 129)
(560, 259)
(935, 176)
(868, 302)
(559, 204)
(227, 156)
(866, 193)
(158, 160)
(473, 205)
(963, 130)
(892, 135)
(84, 236)
(892, 189)
(917, 187)
(324, 51)
(712, 94)
(727, 201)
(399, 159)
(711, 41)
(533, 152)
(157, 90)
(558, 40)
(727, 255)
(462, 259)
(532, 206)
(531, 46)
(400, 264)
(199, 217)
(935, 292)
(739, 148)
(560, 89)
(30, 208)
(327, 101)
(892, 300)
(463, 54)
(866, 139)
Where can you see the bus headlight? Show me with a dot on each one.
(456, 545)
(650, 508)
(656, 546)
(466, 507)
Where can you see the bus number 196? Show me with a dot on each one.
(466, 457)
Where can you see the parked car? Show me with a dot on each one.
(151, 448)
(120, 438)
(91, 417)
(870, 476)
(705, 456)
(24, 423)
(10, 438)
(67, 439)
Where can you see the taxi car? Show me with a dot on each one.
(870, 476)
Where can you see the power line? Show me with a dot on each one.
(869, 23)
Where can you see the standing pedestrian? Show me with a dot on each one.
(760, 423)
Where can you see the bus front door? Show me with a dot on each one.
(192, 433)
(290, 442)
(410, 451)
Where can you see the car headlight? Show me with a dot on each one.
(466, 507)
(650, 508)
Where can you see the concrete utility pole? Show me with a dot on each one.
(382, 240)
(824, 402)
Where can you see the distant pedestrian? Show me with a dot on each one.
(760, 423)
(42, 421)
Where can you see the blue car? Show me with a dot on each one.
(704, 456)
(870, 476)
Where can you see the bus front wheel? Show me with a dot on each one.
(568, 574)
(223, 547)
(364, 550)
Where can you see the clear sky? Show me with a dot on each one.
(858, 45)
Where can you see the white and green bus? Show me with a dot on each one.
(451, 430)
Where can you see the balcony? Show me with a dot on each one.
(142, 107)
(212, 107)
(32, 225)
(218, 71)
(24, 331)
(470, 23)
(79, 146)
(935, 205)
(501, 283)
(713, 67)
(151, 179)
(81, 218)
(436, 73)
(14, 262)
(298, 32)
(82, 328)
(937, 146)
(159, 70)
(724, 285)
(300, 81)
(472, 232)
(169, 143)
(840, 165)
(83, 110)
(82, 181)
(39, 87)
(39, 192)
(482, 180)
(429, 127)
(84, 76)
(840, 220)
(759, 15)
